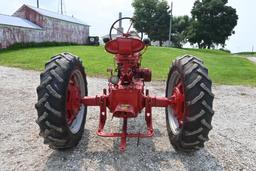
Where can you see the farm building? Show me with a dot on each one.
(30, 24)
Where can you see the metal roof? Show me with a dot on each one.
(16, 21)
(57, 15)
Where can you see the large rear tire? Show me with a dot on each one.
(189, 120)
(61, 116)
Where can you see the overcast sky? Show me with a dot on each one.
(100, 14)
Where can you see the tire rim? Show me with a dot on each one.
(74, 108)
(175, 113)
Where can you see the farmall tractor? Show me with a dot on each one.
(63, 99)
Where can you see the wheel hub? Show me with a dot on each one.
(179, 99)
(73, 102)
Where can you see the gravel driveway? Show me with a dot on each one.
(232, 144)
(253, 59)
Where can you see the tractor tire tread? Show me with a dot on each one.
(187, 133)
(199, 99)
(52, 110)
(51, 126)
(53, 92)
(44, 83)
(51, 101)
(196, 116)
(202, 73)
(190, 143)
(206, 124)
(196, 99)
(208, 107)
(42, 117)
(205, 88)
(42, 100)
(197, 80)
(56, 75)
(202, 138)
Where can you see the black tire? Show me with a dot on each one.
(197, 117)
(51, 105)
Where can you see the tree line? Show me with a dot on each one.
(210, 24)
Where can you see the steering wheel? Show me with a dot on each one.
(125, 34)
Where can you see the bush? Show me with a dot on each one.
(246, 53)
(225, 50)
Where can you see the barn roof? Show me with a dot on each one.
(16, 21)
(57, 15)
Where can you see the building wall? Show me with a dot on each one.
(63, 31)
(10, 35)
(31, 15)
(53, 30)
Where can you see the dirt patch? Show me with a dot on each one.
(231, 147)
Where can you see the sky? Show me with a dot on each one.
(100, 14)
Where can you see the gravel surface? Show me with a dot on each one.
(232, 144)
(253, 59)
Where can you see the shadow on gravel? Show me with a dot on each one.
(144, 157)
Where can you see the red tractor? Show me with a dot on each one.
(63, 100)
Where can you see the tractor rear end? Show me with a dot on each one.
(63, 99)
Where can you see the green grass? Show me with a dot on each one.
(224, 68)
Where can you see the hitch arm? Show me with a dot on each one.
(92, 101)
(159, 101)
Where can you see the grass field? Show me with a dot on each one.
(224, 68)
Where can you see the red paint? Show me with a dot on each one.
(126, 103)
(179, 102)
(127, 98)
(73, 100)
(124, 46)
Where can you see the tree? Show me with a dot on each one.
(213, 22)
(180, 26)
(153, 18)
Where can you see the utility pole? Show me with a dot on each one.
(61, 6)
(37, 3)
(170, 30)
(120, 30)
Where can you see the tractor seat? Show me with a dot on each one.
(124, 46)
